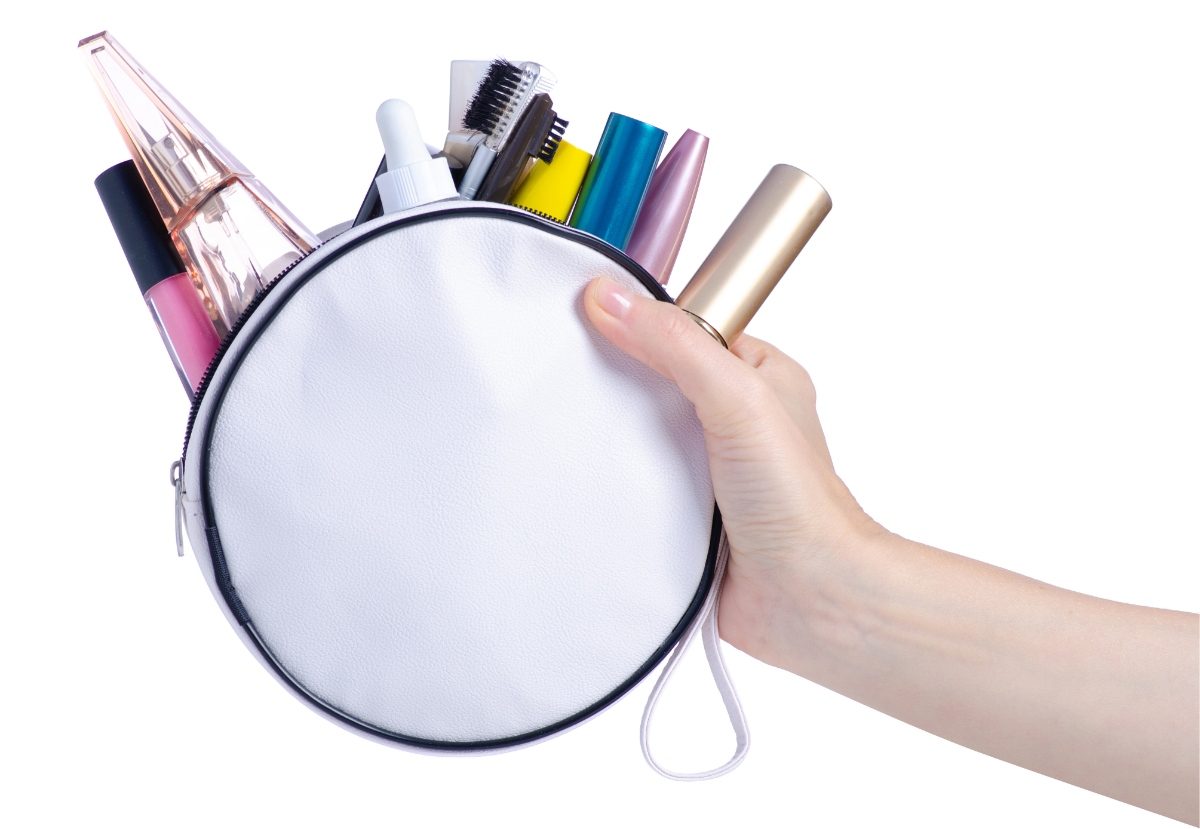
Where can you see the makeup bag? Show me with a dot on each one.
(436, 504)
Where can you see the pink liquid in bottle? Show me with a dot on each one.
(177, 307)
(185, 326)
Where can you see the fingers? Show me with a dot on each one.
(730, 389)
(668, 340)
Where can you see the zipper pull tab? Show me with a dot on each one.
(177, 482)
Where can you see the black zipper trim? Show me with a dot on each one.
(224, 580)
(504, 742)
(227, 341)
(216, 550)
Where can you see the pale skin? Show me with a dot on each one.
(1093, 692)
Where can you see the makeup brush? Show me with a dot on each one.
(502, 94)
(496, 90)
(502, 97)
(536, 136)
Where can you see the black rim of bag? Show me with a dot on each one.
(216, 550)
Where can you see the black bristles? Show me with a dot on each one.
(552, 140)
(492, 96)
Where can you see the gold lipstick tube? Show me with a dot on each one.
(755, 252)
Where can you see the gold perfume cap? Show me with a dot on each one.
(755, 252)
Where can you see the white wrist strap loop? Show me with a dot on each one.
(706, 620)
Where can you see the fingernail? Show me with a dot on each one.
(614, 299)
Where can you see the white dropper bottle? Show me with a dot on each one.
(413, 177)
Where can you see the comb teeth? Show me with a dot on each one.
(545, 80)
(515, 105)
(555, 136)
(539, 213)
(531, 77)
(493, 97)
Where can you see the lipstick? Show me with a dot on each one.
(663, 221)
(186, 330)
(232, 233)
(755, 252)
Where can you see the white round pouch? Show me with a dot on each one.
(435, 502)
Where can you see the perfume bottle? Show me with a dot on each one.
(232, 234)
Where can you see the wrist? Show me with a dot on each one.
(836, 599)
(815, 612)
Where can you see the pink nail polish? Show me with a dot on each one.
(614, 299)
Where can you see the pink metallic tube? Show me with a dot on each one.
(659, 231)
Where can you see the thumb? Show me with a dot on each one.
(664, 337)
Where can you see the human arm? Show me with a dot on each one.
(1097, 693)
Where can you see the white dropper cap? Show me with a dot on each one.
(413, 177)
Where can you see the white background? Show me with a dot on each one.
(999, 314)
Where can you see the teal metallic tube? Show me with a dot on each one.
(617, 180)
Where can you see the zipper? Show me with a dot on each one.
(211, 368)
(206, 378)
(177, 482)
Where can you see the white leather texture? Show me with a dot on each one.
(450, 508)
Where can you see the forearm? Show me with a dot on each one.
(1096, 693)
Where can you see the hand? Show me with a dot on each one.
(784, 508)
(979, 655)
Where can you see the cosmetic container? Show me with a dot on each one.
(663, 220)
(412, 177)
(233, 235)
(185, 327)
(617, 179)
(755, 252)
(550, 188)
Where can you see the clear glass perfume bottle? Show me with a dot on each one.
(234, 236)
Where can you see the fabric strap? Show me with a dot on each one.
(706, 620)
